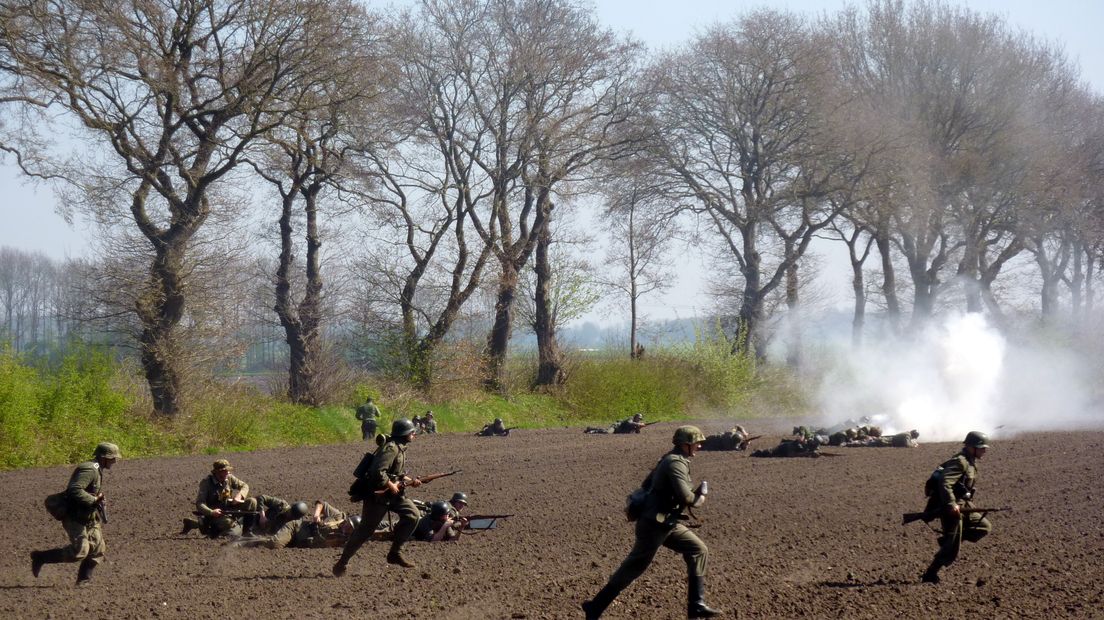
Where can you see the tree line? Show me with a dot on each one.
(413, 178)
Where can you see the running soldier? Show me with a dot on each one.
(386, 483)
(82, 513)
(659, 525)
(950, 488)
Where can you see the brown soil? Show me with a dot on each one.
(787, 537)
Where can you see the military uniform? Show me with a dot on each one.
(368, 414)
(660, 525)
(306, 533)
(496, 428)
(84, 515)
(629, 425)
(217, 495)
(952, 484)
(429, 425)
(388, 463)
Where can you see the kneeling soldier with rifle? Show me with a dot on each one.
(221, 502)
(659, 524)
(80, 507)
(950, 489)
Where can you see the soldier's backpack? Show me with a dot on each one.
(638, 499)
(361, 489)
(57, 505)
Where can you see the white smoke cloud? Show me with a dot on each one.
(956, 376)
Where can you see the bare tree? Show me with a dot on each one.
(177, 93)
(740, 119)
(305, 155)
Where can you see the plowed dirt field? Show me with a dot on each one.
(787, 537)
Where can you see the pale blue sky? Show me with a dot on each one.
(30, 220)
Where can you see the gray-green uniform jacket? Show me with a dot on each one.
(213, 494)
(671, 489)
(81, 492)
(306, 533)
(955, 484)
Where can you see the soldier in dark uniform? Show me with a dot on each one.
(735, 439)
(84, 517)
(498, 427)
(438, 525)
(219, 492)
(368, 414)
(950, 488)
(383, 471)
(659, 525)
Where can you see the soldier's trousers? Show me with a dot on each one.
(972, 527)
(368, 428)
(85, 542)
(650, 536)
(373, 514)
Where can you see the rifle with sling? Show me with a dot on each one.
(909, 517)
(405, 480)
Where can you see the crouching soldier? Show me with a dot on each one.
(221, 499)
(82, 512)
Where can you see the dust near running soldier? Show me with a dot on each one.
(950, 488)
(384, 471)
(218, 492)
(659, 525)
(368, 414)
(84, 513)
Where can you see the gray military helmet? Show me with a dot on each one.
(299, 510)
(687, 434)
(107, 451)
(355, 520)
(976, 439)
(459, 496)
(402, 428)
(438, 509)
(498, 420)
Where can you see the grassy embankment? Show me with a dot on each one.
(54, 414)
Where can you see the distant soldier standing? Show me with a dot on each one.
(384, 472)
(429, 424)
(84, 515)
(950, 488)
(368, 414)
(670, 492)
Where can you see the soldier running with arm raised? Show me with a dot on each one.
(659, 525)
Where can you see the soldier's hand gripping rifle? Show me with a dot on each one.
(406, 480)
(909, 517)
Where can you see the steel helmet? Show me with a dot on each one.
(355, 521)
(638, 417)
(438, 510)
(402, 428)
(498, 420)
(299, 510)
(687, 434)
(459, 496)
(976, 439)
(107, 451)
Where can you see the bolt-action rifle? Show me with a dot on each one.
(909, 517)
(231, 513)
(478, 523)
(752, 438)
(404, 480)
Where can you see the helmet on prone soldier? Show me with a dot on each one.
(299, 510)
(438, 510)
(459, 496)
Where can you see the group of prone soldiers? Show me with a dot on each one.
(223, 507)
(806, 441)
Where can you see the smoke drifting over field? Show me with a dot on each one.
(957, 376)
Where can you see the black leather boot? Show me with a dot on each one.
(395, 557)
(84, 573)
(695, 599)
(39, 558)
(597, 605)
(932, 574)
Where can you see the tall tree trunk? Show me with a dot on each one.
(498, 340)
(550, 367)
(889, 279)
(301, 324)
(858, 286)
(160, 309)
(793, 356)
(751, 306)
